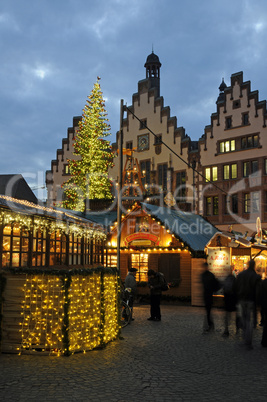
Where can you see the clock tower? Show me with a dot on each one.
(152, 66)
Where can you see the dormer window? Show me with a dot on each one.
(158, 139)
(228, 123)
(143, 124)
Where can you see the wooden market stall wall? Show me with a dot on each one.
(163, 239)
(56, 296)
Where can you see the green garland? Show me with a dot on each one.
(61, 272)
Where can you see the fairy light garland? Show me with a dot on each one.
(69, 313)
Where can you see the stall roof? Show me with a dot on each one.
(193, 230)
(29, 208)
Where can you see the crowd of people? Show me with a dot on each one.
(244, 294)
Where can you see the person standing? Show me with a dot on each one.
(155, 283)
(210, 285)
(263, 303)
(130, 283)
(246, 284)
(230, 300)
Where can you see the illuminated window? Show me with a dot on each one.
(226, 172)
(75, 249)
(234, 171)
(66, 169)
(39, 248)
(15, 246)
(57, 248)
(140, 262)
(214, 173)
(97, 251)
(207, 174)
(227, 146)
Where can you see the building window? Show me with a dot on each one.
(143, 124)
(265, 166)
(216, 205)
(145, 169)
(214, 173)
(211, 174)
(162, 176)
(247, 203)
(39, 248)
(208, 206)
(265, 201)
(75, 249)
(66, 169)
(228, 123)
(254, 167)
(158, 140)
(227, 146)
(234, 171)
(250, 141)
(245, 119)
(226, 172)
(129, 145)
(236, 104)
(181, 186)
(255, 201)
(245, 169)
(15, 246)
(57, 248)
(250, 168)
(234, 203)
(207, 174)
(226, 204)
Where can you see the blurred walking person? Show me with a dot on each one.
(210, 285)
(247, 283)
(263, 303)
(230, 300)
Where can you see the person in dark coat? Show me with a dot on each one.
(247, 284)
(263, 303)
(230, 300)
(155, 283)
(210, 285)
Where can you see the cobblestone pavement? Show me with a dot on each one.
(169, 360)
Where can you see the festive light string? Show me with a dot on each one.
(51, 211)
(92, 308)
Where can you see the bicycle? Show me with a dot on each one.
(126, 307)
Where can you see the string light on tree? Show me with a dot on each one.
(89, 172)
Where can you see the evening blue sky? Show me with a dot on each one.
(53, 51)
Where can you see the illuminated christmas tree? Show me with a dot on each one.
(89, 172)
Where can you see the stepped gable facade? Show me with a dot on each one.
(228, 182)
(233, 159)
(59, 171)
(148, 125)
